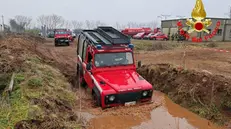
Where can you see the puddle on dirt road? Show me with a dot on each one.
(167, 116)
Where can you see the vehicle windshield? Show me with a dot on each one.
(113, 59)
(60, 32)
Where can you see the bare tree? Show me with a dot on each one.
(117, 26)
(88, 24)
(68, 24)
(56, 21)
(23, 21)
(153, 24)
(51, 21)
(77, 24)
(42, 20)
(99, 23)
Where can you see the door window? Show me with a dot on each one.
(80, 45)
(84, 50)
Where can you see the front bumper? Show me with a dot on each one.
(122, 98)
(62, 40)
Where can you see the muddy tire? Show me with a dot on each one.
(95, 100)
(68, 44)
(80, 78)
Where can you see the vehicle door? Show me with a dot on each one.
(87, 57)
(158, 37)
(161, 36)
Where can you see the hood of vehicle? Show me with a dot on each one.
(122, 80)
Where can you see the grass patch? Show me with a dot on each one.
(35, 82)
(40, 94)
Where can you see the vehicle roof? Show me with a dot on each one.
(107, 38)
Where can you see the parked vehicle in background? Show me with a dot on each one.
(62, 37)
(139, 35)
(50, 34)
(159, 36)
(133, 31)
(148, 36)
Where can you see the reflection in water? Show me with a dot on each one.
(167, 116)
(161, 119)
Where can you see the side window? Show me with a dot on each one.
(84, 50)
(80, 45)
(219, 32)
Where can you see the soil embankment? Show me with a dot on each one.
(201, 92)
(41, 96)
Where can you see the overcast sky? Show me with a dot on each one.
(110, 11)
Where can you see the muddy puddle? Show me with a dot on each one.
(164, 115)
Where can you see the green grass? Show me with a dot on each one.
(36, 81)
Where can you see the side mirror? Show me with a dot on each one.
(88, 66)
(139, 64)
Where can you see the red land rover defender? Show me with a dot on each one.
(106, 65)
(62, 37)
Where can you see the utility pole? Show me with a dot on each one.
(229, 13)
(3, 23)
(165, 16)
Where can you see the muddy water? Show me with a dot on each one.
(166, 116)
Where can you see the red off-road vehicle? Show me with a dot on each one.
(106, 65)
(62, 37)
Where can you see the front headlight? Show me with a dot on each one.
(112, 98)
(145, 93)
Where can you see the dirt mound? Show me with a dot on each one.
(42, 97)
(205, 94)
(53, 110)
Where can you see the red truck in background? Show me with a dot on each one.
(106, 66)
(133, 31)
(62, 36)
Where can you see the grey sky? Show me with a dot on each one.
(110, 11)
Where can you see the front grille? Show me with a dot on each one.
(124, 97)
(128, 97)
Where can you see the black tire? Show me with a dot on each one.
(80, 78)
(95, 100)
(68, 43)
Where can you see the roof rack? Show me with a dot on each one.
(106, 36)
(113, 35)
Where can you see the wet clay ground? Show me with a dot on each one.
(195, 58)
(162, 113)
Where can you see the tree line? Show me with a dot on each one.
(22, 23)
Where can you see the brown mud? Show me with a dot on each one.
(204, 94)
